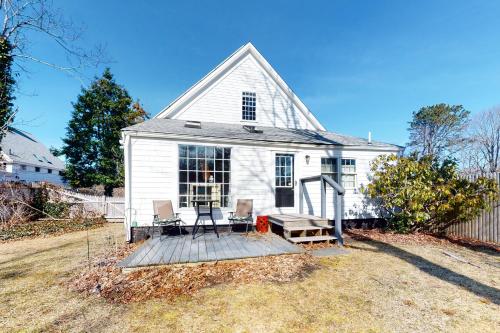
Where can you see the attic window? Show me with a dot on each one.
(248, 105)
(252, 129)
(192, 124)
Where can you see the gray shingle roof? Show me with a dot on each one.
(23, 148)
(269, 134)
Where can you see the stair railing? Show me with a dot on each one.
(338, 191)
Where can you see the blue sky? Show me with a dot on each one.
(358, 65)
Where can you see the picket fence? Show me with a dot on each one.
(112, 208)
(485, 227)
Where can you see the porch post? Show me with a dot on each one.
(338, 218)
(323, 197)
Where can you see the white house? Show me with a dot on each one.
(26, 159)
(241, 132)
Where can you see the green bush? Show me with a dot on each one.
(426, 195)
(56, 209)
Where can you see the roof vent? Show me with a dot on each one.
(192, 124)
(252, 129)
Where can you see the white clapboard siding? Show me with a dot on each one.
(154, 176)
(221, 103)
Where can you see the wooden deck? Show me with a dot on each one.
(207, 247)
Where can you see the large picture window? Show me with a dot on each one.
(204, 172)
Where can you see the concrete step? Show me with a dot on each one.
(311, 239)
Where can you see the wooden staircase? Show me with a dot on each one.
(301, 228)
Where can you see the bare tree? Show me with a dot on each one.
(23, 19)
(21, 23)
(482, 152)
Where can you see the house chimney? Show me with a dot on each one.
(369, 137)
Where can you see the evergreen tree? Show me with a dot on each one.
(92, 142)
(438, 130)
(7, 85)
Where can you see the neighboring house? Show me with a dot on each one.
(241, 132)
(24, 158)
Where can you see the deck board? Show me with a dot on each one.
(206, 247)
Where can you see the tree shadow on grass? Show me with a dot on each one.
(426, 266)
(34, 253)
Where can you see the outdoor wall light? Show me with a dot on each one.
(308, 158)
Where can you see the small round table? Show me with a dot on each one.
(202, 202)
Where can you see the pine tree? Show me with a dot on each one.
(92, 142)
(7, 85)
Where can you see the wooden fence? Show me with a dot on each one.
(485, 227)
(112, 208)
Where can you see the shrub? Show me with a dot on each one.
(426, 195)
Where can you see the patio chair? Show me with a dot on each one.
(164, 215)
(242, 215)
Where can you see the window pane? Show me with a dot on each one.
(192, 151)
(210, 152)
(183, 201)
(227, 177)
(226, 165)
(210, 165)
(182, 164)
(200, 152)
(182, 176)
(218, 152)
(182, 151)
(182, 189)
(218, 177)
(218, 165)
(227, 153)
(192, 176)
(192, 164)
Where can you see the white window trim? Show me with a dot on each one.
(248, 92)
(293, 169)
(355, 174)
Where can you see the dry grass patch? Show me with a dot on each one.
(377, 287)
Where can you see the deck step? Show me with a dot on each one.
(308, 227)
(311, 239)
(297, 220)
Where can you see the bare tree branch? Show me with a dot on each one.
(482, 151)
(22, 18)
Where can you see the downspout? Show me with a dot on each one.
(128, 192)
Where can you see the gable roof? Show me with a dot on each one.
(23, 148)
(179, 104)
(265, 134)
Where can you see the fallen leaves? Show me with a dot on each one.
(417, 239)
(170, 282)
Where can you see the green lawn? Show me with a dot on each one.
(376, 288)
